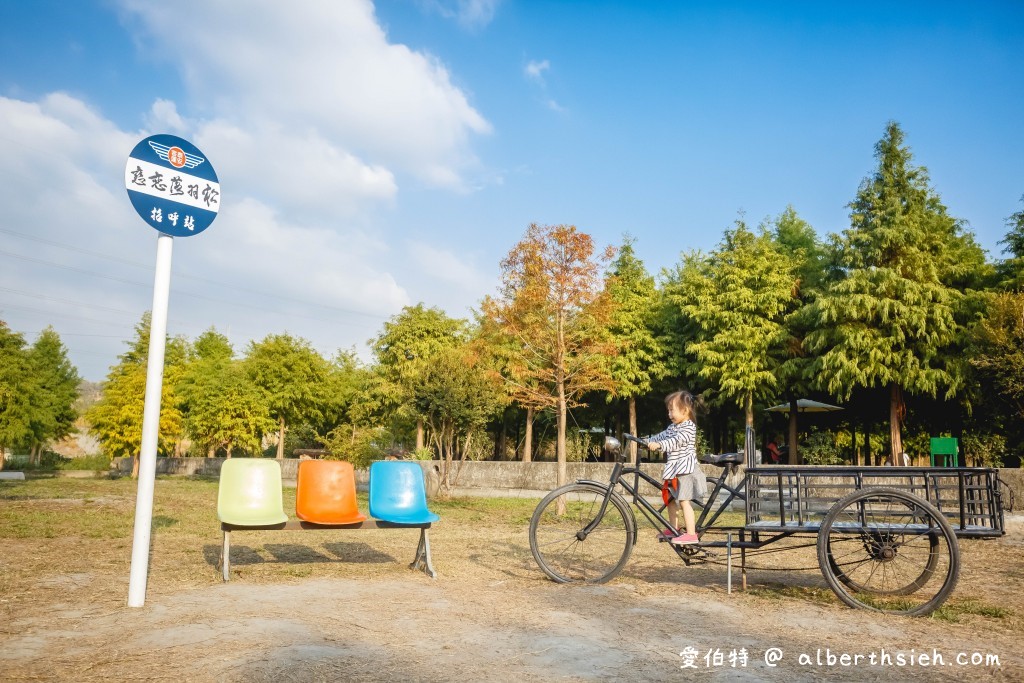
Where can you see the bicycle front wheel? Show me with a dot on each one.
(571, 544)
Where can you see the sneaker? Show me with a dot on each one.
(666, 535)
(686, 539)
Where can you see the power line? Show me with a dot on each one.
(188, 276)
(262, 309)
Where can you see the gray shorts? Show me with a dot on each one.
(692, 486)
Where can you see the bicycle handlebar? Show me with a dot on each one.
(639, 442)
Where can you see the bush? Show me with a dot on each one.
(481, 446)
(421, 454)
(985, 450)
(821, 448)
(357, 445)
(50, 461)
(577, 446)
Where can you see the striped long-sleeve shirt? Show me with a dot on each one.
(679, 442)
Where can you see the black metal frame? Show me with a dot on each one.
(975, 511)
(797, 497)
(421, 562)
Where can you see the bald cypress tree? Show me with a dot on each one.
(1011, 270)
(892, 316)
(737, 298)
(640, 360)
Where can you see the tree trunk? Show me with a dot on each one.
(896, 412)
(749, 425)
(135, 467)
(793, 457)
(563, 471)
(211, 451)
(528, 438)
(867, 444)
(632, 429)
(419, 433)
(854, 456)
(499, 443)
(3, 458)
(280, 441)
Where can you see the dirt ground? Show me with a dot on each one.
(344, 606)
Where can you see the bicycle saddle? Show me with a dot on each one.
(722, 459)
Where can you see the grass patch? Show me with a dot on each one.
(504, 511)
(954, 610)
(822, 596)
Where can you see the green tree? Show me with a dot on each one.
(555, 308)
(456, 394)
(737, 297)
(354, 389)
(798, 241)
(1011, 270)
(891, 317)
(640, 357)
(222, 407)
(998, 353)
(56, 390)
(290, 373)
(116, 419)
(405, 349)
(16, 388)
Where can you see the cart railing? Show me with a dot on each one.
(788, 498)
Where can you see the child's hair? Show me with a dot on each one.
(685, 401)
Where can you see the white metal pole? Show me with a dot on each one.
(150, 424)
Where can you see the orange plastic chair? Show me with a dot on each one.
(326, 493)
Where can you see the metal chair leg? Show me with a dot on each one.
(422, 561)
(225, 556)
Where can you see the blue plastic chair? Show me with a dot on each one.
(250, 493)
(398, 493)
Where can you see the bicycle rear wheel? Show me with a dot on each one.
(564, 548)
(889, 551)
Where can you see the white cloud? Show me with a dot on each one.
(311, 118)
(472, 15)
(326, 66)
(449, 268)
(534, 70)
(555, 106)
(163, 116)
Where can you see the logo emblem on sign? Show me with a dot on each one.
(175, 156)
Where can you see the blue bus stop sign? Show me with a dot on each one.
(172, 185)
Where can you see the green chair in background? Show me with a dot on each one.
(947, 448)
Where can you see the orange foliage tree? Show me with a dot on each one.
(554, 312)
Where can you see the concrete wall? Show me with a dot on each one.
(487, 478)
(515, 479)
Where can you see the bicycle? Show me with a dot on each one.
(586, 531)
(886, 537)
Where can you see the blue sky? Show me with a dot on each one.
(373, 156)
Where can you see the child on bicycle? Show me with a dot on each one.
(683, 480)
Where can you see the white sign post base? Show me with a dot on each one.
(150, 424)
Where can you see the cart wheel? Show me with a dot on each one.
(889, 551)
(563, 548)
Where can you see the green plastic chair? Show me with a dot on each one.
(946, 447)
(250, 493)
